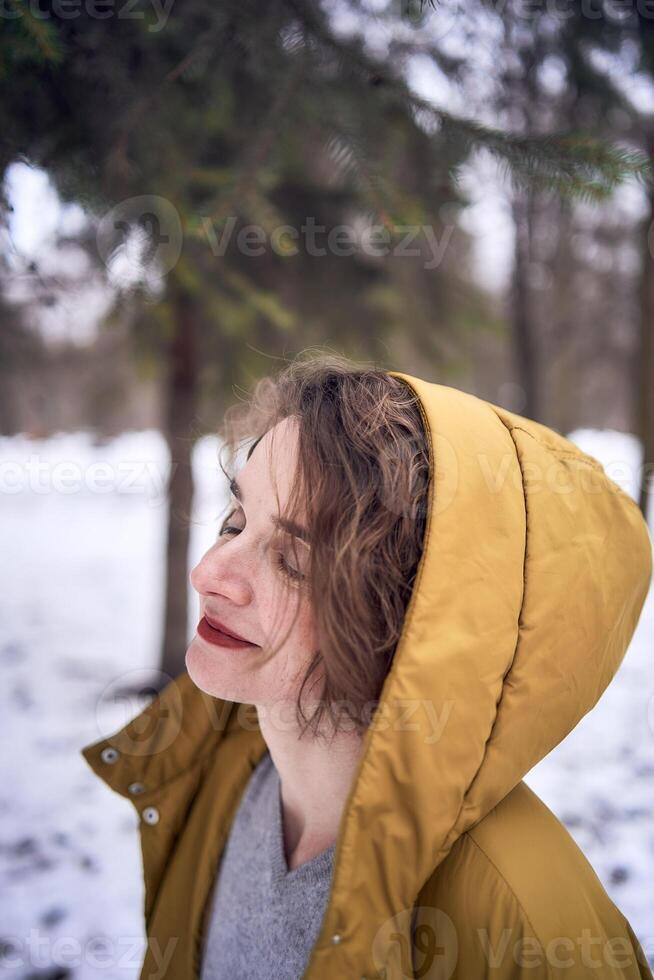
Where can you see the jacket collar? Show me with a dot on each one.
(181, 726)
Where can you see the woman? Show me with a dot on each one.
(431, 592)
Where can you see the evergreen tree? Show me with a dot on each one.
(175, 126)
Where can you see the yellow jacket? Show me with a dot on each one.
(447, 865)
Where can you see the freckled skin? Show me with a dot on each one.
(239, 581)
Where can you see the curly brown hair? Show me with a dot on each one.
(361, 486)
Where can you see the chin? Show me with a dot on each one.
(201, 671)
(206, 674)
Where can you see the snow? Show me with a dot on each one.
(80, 614)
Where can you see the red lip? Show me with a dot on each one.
(213, 632)
(217, 625)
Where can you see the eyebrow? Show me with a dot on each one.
(280, 522)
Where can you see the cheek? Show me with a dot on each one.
(304, 636)
(284, 609)
(303, 645)
(295, 618)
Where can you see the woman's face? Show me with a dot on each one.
(248, 581)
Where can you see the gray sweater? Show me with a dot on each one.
(264, 919)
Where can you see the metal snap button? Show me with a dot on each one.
(109, 755)
(135, 788)
(336, 938)
(151, 815)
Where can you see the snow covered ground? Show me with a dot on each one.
(81, 589)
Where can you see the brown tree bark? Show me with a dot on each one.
(179, 421)
(523, 330)
(645, 418)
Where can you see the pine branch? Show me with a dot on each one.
(45, 44)
(572, 164)
(246, 173)
(260, 302)
(390, 203)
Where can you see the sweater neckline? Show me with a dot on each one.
(313, 870)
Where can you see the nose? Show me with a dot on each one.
(221, 572)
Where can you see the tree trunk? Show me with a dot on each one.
(645, 421)
(522, 326)
(180, 405)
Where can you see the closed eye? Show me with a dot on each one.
(280, 560)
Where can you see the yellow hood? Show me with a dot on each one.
(534, 572)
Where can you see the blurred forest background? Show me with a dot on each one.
(162, 163)
(165, 129)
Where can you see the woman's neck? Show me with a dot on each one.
(316, 777)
